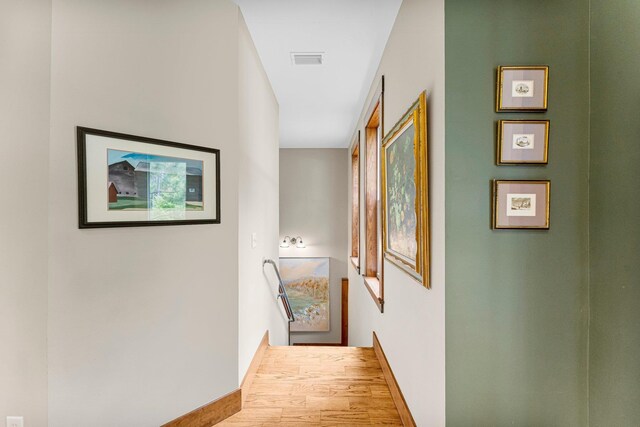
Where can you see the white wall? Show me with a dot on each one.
(258, 206)
(412, 328)
(25, 42)
(313, 205)
(142, 321)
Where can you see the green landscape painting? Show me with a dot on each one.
(307, 283)
(401, 195)
(154, 183)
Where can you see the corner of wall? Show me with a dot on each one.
(160, 323)
(25, 76)
(418, 359)
(258, 197)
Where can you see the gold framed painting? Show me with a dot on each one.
(405, 193)
(522, 88)
(522, 142)
(521, 204)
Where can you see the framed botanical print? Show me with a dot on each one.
(522, 142)
(521, 204)
(522, 88)
(130, 181)
(405, 194)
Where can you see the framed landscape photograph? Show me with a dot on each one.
(521, 204)
(307, 283)
(127, 181)
(405, 194)
(522, 142)
(522, 88)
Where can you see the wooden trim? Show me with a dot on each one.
(345, 312)
(356, 263)
(372, 134)
(374, 119)
(221, 409)
(373, 286)
(254, 365)
(394, 388)
(355, 200)
(317, 344)
(377, 95)
(211, 413)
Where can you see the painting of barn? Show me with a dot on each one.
(122, 174)
(151, 182)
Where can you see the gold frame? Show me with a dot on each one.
(416, 115)
(501, 124)
(502, 68)
(494, 204)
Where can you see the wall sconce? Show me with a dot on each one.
(292, 241)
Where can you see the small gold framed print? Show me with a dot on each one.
(522, 88)
(521, 204)
(522, 142)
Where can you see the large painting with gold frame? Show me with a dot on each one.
(405, 193)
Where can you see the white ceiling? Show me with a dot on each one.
(319, 105)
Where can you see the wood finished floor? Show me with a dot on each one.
(324, 386)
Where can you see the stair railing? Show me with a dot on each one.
(282, 295)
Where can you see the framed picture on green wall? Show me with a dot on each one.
(521, 204)
(522, 142)
(405, 194)
(522, 88)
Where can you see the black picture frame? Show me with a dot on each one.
(84, 218)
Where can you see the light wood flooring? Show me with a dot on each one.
(324, 386)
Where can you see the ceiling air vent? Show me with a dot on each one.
(307, 58)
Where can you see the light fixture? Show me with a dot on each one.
(295, 241)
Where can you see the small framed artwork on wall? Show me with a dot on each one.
(522, 142)
(132, 181)
(522, 88)
(521, 204)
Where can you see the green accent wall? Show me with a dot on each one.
(614, 374)
(516, 300)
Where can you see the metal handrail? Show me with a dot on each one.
(282, 292)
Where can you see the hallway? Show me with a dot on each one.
(317, 386)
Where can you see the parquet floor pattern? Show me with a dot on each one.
(321, 386)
